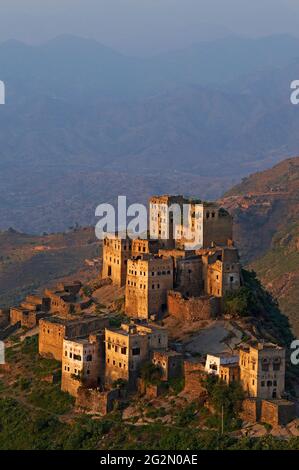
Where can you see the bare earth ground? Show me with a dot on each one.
(204, 337)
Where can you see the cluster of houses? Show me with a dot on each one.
(161, 275)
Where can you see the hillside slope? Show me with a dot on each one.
(266, 210)
(30, 262)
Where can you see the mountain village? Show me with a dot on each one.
(110, 357)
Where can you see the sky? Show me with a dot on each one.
(143, 27)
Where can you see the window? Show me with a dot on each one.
(276, 367)
(109, 346)
(124, 350)
(136, 351)
(274, 383)
(269, 383)
(71, 355)
(89, 358)
(77, 357)
(262, 383)
(65, 353)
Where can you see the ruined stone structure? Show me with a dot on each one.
(83, 363)
(97, 401)
(148, 280)
(262, 370)
(31, 310)
(171, 364)
(66, 300)
(116, 252)
(192, 309)
(128, 348)
(274, 412)
(277, 412)
(53, 330)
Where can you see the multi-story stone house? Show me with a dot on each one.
(148, 279)
(262, 370)
(128, 347)
(83, 363)
(116, 252)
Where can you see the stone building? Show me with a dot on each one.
(262, 370)
(53, 330)
(148, 279)
(128, 347)
(206, 224)
(171, 363)
(141, 247)
(116, 252)
(162, 219)
(221, 271)
(83, 363)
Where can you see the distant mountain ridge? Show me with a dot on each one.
(82, 123)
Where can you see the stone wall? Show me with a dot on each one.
(194, 373)
(192, 309)
(251, 410)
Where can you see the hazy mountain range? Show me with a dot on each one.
(83, 123)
